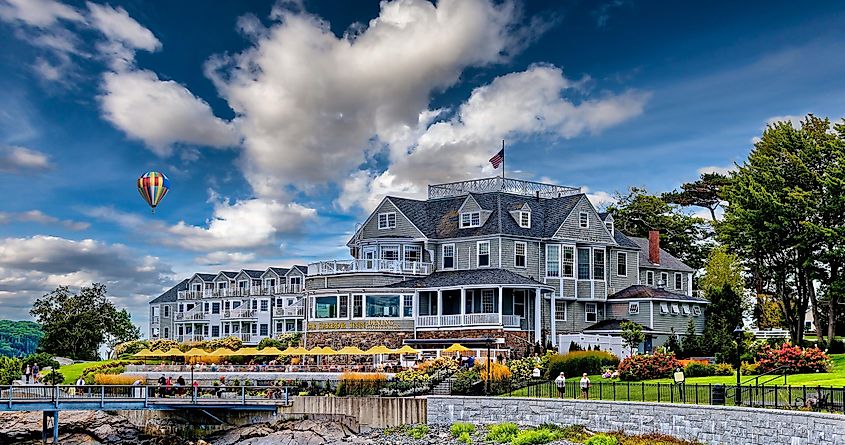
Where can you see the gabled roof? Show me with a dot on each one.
(643, 292)
(253, 273)
(205, 276)
(280, 271)
(469, 278)
(612, 325)
(623, 241)
(227, 273)
(170, 294)
(301, 268)
(667, 261)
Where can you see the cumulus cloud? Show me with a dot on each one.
(40, 217)
(308, 102)
(717, 169)
(225, 258)
(793, 120)
(22, 160)
(531, 102)
(161, 112)
(117, 26)
(600, 199)
(38, 13)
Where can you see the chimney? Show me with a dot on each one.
(654, 246)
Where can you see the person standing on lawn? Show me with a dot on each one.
(28, 373)
(585, 386)
(560, 382)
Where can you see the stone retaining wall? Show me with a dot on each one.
(716, 425)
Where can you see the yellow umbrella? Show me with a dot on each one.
(247, 351)
(221, 352)
(299, 350)
(407, 350)
(350, 350)
(196, 352)
(456, 348)
(379, 350)
(144, 353)
(329, 351)
(314, 351)
(272, 350)
(173, 352)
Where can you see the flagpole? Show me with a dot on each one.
(503, 160)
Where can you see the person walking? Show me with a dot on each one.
(35, 373)
(28, 373)
(560, 382)
(585, 386)
(161, 382)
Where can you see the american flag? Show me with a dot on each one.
(498, 158)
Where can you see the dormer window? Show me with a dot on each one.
(609, 225)
(470, 219)
(525, 219)
(584, 220)
(387, 220)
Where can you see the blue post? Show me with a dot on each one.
(55, 427)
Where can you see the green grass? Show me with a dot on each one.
(72, 372)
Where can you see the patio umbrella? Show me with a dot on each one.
(314, 351)
(144, 353)
(247, 352)
(407, 350)
(456, 348)
(378, 350)
(350, 350)
(195, 352)
(221, 352)
(272, 350)
(329, 351)
(172, 352)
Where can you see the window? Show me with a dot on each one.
(525, 219)
(167, 311)
(664, 308)
(553, 260)
(679, 281)
(448, 256)
(295, 283)
(470, 219)
(583, 263)
(590, 313)
(382, 306)
(634, 307)
(166, 333)
(598, 264)
(255, 305)
(407, 306)
(568, 261)
(609, 226)
(664, 279)
(483, 253)
(487, 301)
(621, 264)
(343, 306)
(205, 307)
(560, 310)
(215, 307)
(225, 329)
(387, 220)
(390, 253)
(265, 305)
(696, 310)
(264, 330)
(413, 253)
(519, 303)
(675, 309)
(215, 331)
(584, 220)
(649, 278)
(357, 306)
(519, 249)
(685, 309)
(325, 307)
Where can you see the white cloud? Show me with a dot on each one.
(38, 13)
(309, 102)
(117, 26)
(21, 160)
(161, 113)
(600, 199)
(530, 102)
(40, 217)
(717, 169)
(793, 120)
(225, 258)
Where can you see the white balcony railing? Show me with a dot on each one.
(289, 311)
(511, 321)
(349, 266)
(154, 320)
(193, 294)
(239, 313)
(249, 338)
(190, 337)
(432, 321)
(196, 313)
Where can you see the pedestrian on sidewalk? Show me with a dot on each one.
(35, 373)
(585, 386)
(560, 382)
(28, 373)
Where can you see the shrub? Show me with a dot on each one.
(502, 432)
(233, 343)
(360, 383)
(601, 439)
(794, 358)
(42, 359)
(521, 370)
(574, 433)
(459, 428)
(642, 367)
(749, 368)
(104, 368)
(579, 362)
(130, 347)
(466, 381)
(432, 366)
(117, 379)
(536, 436)
(465, 438)
(162, 344)
(54, 377)
(723, 369)
(698, 370)
(419, 431)
(10, 370)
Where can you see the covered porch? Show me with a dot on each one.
(498, 306)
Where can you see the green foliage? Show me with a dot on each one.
(19, 338)
(10, 370)
(130, 347)
(233, 343)
(459, 428)
(502, 432)
(162, 344)
(76, 325)
(54, 377)
(115, 367)
(706, 192)
(579, 362)
(698, 370)
(723, 369)
(418, 432)
(43, 360)
(467, 381)
(643, 367)
(601, 439)
(465, 438)
(574, 433)
(693, 344)
(521, 370)
(724, 313)
(632, 334)
(722, 268)
(536, 436)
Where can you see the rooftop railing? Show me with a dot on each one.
(351, 266)
(497, 184)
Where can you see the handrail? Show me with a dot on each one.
(756, 378)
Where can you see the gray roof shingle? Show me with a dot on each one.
(647, 292)
(667, 261)
(253, 273)
(469, 277)
(171, 294)
(207, 276)
(281, 271)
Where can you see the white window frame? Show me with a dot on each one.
(696, 310)
(565, 262)
(686, 310)
(625, 263)
(679, 281)
(664, 280)
(478, 253)
(676, 310)
(467, 220)
(560, 307)
(603, 264)
(526, 215)
(589, 263)
(412, 247)
(649, 278)
(386, 224)
(584, 220)
(609, 226)
(550, 247)
(524, 246)
(664, 308)
(454, 257)
(633, 307)
(390, 247)
(587, 312)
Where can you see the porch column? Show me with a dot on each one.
(501, 301)
(553, 325)
(537, 308)
(463, 304)
(439, 306)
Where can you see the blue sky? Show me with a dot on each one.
(280, 124)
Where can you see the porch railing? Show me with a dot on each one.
(349, 266)
(511, 321)
(289, 311)
(239, 313)
(429, 321)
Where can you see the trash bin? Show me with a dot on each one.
(717, 395)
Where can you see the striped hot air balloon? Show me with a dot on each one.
(153, 186)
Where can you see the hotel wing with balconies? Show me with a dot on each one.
(519, 261)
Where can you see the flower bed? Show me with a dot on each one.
(795, 359)
(644, 367)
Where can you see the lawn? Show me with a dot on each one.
(72, 372)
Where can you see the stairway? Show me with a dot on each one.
(443, 388)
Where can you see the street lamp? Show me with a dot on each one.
(738, 333)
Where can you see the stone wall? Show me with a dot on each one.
(716, 425)
(363, 340)
(517, 341)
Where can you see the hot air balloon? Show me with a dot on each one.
(153, 186)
